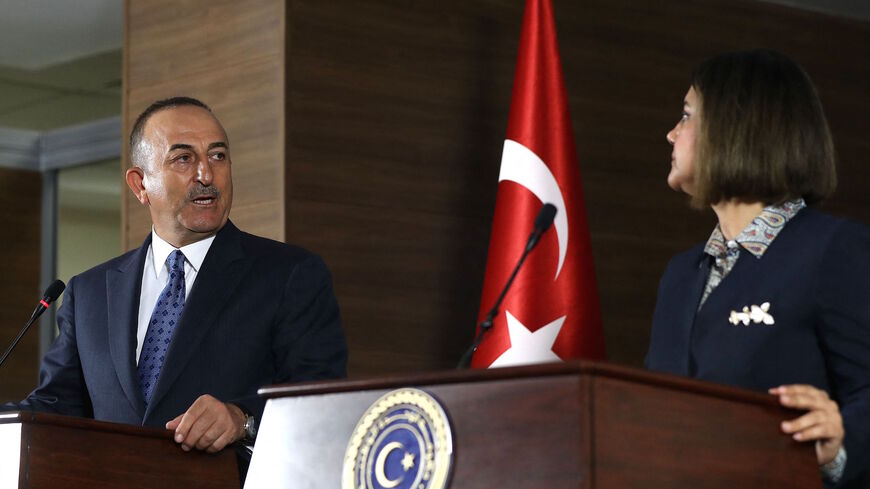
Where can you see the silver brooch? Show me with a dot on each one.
(756, 314)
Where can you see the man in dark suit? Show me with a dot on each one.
(183, 331)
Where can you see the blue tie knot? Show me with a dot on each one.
(176, 261)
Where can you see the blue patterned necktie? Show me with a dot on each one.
(166, 314)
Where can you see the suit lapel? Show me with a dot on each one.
(220, 274)
(689, 309)
(732, 289)
(123, 287)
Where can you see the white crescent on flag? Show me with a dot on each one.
(521, 165)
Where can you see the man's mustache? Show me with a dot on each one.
(203, 191)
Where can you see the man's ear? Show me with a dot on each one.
(136, 181)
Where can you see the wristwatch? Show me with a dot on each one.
(250, 428)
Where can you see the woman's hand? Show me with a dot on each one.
(822, 424)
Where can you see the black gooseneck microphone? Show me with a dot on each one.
(51, 294)
(542, 223)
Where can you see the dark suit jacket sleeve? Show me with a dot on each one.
(62, 387)
(308, 341)
(843, 294)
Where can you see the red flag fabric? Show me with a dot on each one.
(552, 310)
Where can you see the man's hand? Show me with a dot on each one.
(822, 424)
(208, 424)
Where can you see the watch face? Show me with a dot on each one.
(250, 427)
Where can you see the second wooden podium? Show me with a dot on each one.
(575, 425)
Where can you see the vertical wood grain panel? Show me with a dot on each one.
(396, 113)
(230, 55)
(627, 65)
(396, 117)
(20, 197)
(371, 133)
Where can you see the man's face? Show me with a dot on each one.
(186, 181)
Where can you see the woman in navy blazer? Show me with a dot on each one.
(778, 299)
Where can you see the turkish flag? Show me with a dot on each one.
(552, 310)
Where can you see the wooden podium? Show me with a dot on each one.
(50, 451)
(574, 425)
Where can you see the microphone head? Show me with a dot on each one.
(53, 291)
(545, 217)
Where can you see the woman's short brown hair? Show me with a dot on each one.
(763, 136)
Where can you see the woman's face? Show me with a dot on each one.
(682, 138)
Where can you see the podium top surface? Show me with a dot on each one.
(571, 368)
(59, 420)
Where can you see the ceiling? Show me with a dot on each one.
(60, 60)
(62, 94)
(40, 33)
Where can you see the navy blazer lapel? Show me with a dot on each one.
(220, 274)
(689, 309)
(123, 287)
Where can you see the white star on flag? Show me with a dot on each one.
(528, 347)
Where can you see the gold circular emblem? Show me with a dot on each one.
(403, 441)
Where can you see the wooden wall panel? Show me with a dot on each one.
(395, 121)
(20, 218)
(371, 133)
(230, 55)
(627, 64)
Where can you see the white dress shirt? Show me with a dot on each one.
(155, 275)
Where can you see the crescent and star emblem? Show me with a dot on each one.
(381, 462)
(521, 165)
(402, 441)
